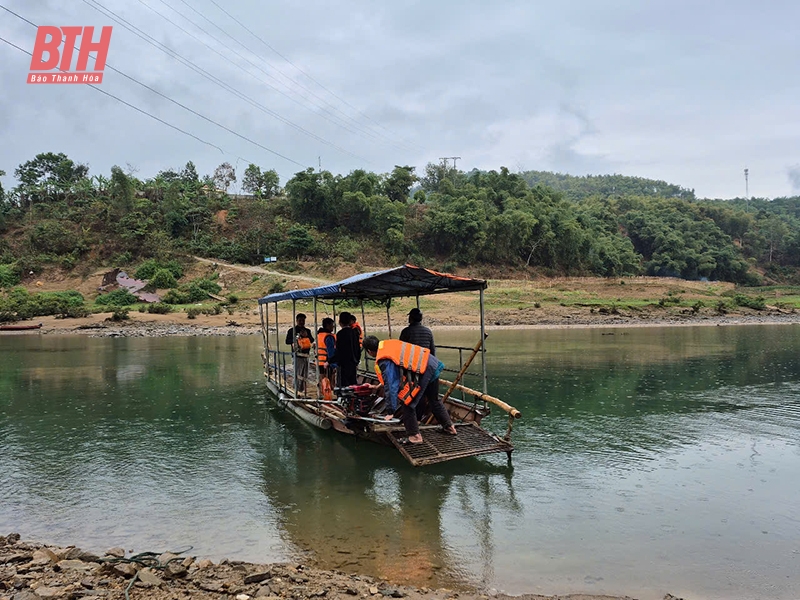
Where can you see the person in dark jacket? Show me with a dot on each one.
(416, 333)
(348, 351)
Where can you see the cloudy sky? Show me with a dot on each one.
(690, 92)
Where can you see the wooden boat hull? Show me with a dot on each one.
(472, 440)
(20, 327)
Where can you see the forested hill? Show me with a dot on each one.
(579, 187)
(59, 215)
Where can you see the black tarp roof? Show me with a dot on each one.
(407, 280)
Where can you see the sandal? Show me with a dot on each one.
(407, 442)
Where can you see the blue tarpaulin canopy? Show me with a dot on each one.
(407, 280)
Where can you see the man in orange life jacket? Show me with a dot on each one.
(406, 371)
(299, 338)
(326, 347)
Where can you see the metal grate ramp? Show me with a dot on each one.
(472, 440)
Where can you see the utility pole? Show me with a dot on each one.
(747, 188)
(319, 162)
(747, 183)
(444, 160)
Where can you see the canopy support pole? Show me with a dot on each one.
(294, 352)
(278, 356)
(263, 312)
(364, 328)
(389, 317)
(483, 346)
(316, 346)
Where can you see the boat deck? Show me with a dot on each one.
(472, 440)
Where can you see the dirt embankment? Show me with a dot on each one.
(551, 302)
(32, 571)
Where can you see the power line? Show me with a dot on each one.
(337, 122)
(13, 45)
(260, 39)
(153, 42)
(360, 129)
(177, 103)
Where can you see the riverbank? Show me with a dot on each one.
(32, 571)
(177, 324)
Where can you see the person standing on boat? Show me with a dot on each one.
(299, 338)
(326, 347)
(357, 326)
(406, 371)
(348, 351)
(416, 333)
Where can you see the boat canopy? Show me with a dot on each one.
(407, 280)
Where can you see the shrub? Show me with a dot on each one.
(233, 298)
(19, 304)
(122, 259)
(194, 291)
(175, 297)
(159, 308)
(276, 287)
(119, 314)
(192, 312)
(289, 266)
(697, 306)
(347, 248)
(162, 279)
(149, 268)
(8, 276)
(117, 298)
(757, 303)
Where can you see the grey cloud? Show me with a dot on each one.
(794, 178)
(672, 91)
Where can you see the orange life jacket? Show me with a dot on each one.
(325, 388)
(357, 327)
(412, 360)
(304, 344)
(322, 349)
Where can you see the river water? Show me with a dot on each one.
(648, 460)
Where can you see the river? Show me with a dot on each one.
(648, 460)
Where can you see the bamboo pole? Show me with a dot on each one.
(464, 367)
(485, 397)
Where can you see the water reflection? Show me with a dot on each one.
(647, 461)
(357, 507)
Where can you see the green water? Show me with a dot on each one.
(648, 461)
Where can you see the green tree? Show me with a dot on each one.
(397, 185)
(263, 185)
(121, 190)
(224, 176)
(46, 175)
(298, 241)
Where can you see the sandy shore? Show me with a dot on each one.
(32, 571)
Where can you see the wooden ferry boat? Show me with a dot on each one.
(350, 413)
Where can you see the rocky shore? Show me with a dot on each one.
(32, 571)
(173, 325)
